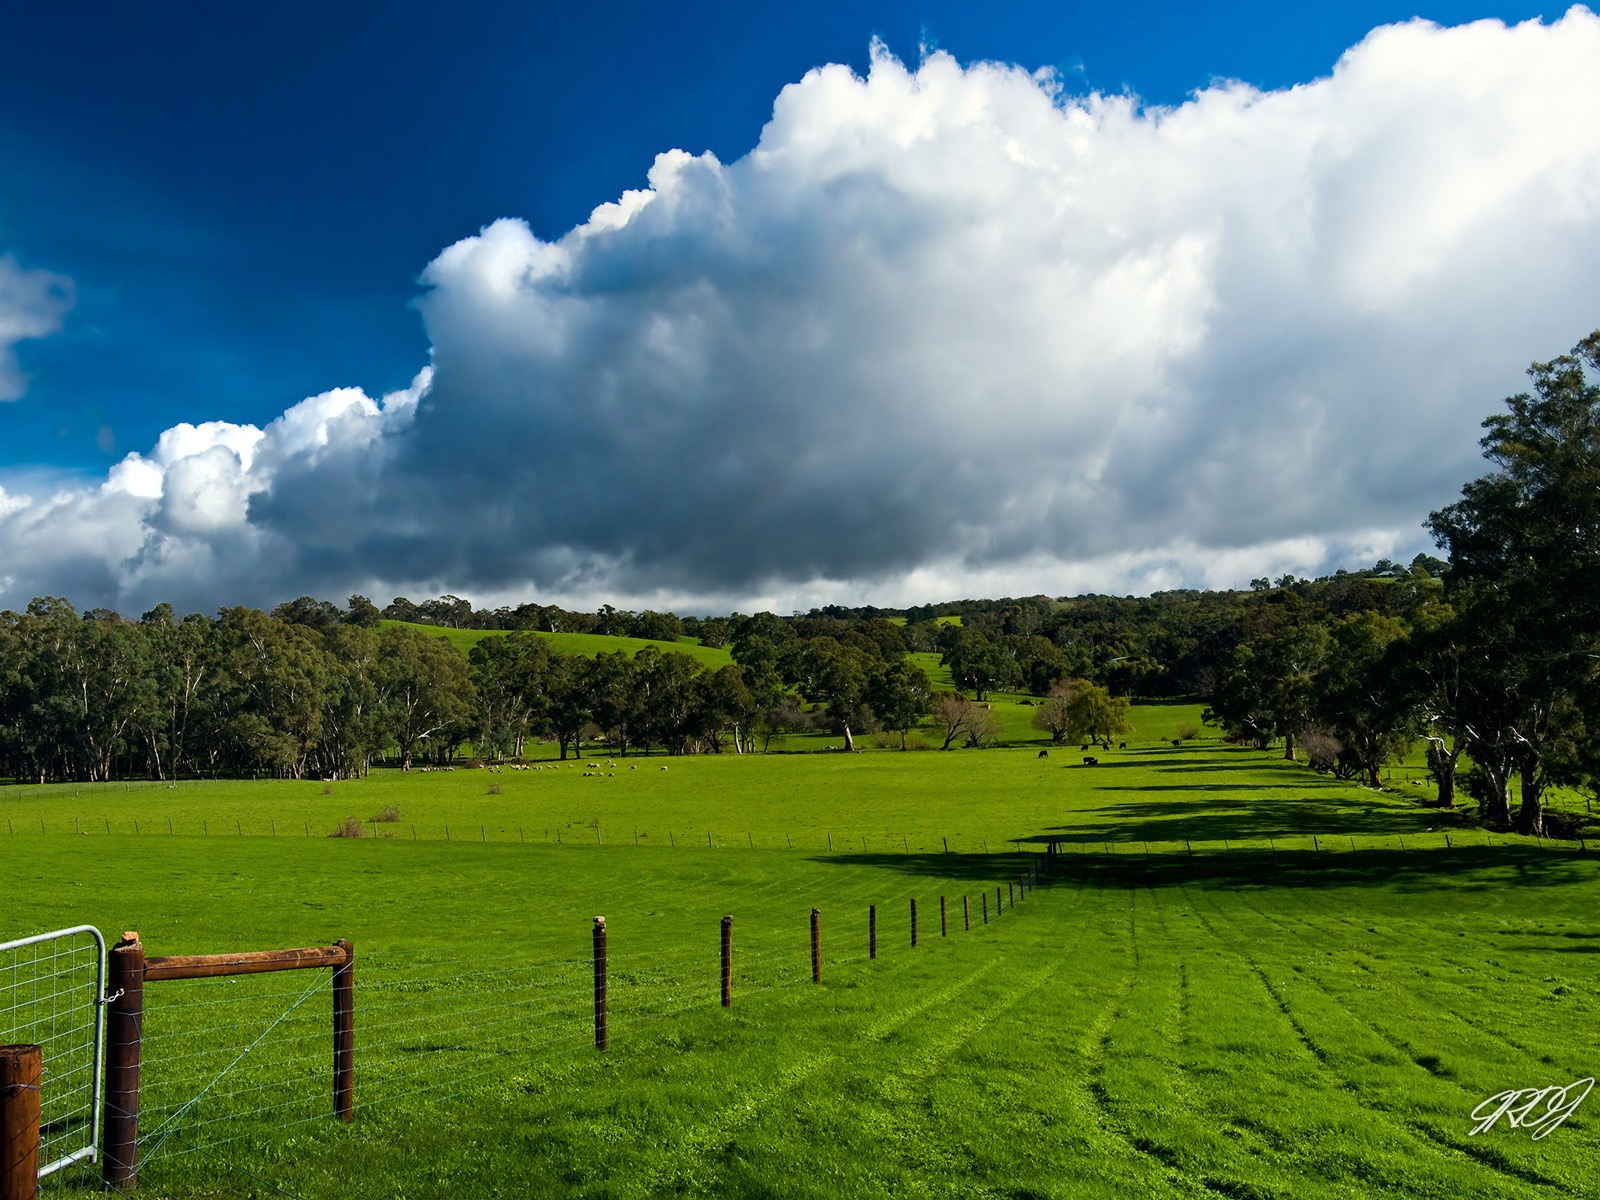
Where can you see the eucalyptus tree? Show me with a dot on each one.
(182, 668)
(425, 691)
(1524, 549)
(1356, 696)
(724, 705)
(511, 677)
(900, 695)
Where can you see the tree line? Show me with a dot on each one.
(1489, 656)
(1497, 667)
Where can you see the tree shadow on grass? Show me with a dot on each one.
(1477, 868)
(1221, 819)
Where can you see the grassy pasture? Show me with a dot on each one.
(910, 802)
(1255, 1019)
(586, 645)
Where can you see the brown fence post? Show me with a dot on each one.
(913, 920)
(119, 1166)
(344, 1034)
(727, 962)
(985, 907)
(21, 1076)
(943, 929)
(966, 915)
(872, 931)
(599, 983)
(816, 945)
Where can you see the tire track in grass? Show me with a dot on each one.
(1467, 968)
(1263, 1174)
(1094, 1050)
(1444, 1147)
(678, 1169)
(902, 1087)
(1438, 985)
(681, 1167)
(1483, 1153)
(1443, 988)
(1195, 1157)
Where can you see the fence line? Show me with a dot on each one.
(420, 1031)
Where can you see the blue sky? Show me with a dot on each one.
(244, 197)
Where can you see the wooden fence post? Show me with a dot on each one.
(985, 907)
(119, 1164)
(816, 945)
(21, 1076)
(944, 930)
(913, 920)
(966, 915)
(599, 983)
(344, 1033)
(872, 931)
(727, 962)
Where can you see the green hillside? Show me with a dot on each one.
(588, 645)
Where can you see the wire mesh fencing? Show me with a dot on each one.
(234, 1069)
(50, 988)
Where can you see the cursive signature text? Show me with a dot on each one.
(1538, 1109)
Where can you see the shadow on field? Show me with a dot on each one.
(1218, 818)
(978, 868)
(1469, 868)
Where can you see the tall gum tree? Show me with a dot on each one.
(1524, 549)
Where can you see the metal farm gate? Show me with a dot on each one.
(52, 987)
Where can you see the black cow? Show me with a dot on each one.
(1090, 760)
(1044, 754)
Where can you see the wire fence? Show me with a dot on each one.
(231, 1066)
(50, 987)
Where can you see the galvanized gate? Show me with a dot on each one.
(52, 991)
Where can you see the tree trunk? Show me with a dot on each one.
(1530, 814)
(1288, 746)
(1495, 808)
(1442, 763)
(849, 742)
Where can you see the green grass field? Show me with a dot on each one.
(585, 645)
(1242, 979)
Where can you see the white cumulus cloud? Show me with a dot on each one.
(945, 330)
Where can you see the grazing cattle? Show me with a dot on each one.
(1177, 741)
(1090, 760)
(1122, 745)
(1085, 746)
(1044, 754)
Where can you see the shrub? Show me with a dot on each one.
(494, 789)
(1187, 732)
(350, 827)
(388, 816)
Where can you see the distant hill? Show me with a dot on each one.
(588, 645)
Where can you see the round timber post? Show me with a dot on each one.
(21, 1077)
(119, 1164)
